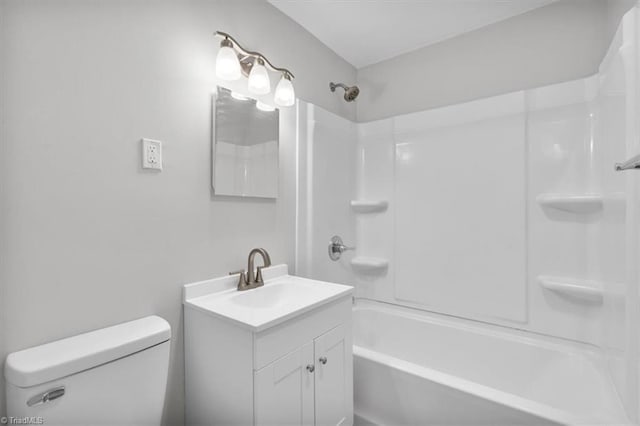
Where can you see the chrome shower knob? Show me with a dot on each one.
(336, 248)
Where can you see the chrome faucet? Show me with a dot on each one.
(247, 279)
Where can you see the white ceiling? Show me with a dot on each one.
(364, 32)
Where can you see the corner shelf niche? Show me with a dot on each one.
(573, 203)
(369, 206)
(369, 264)
(579, 290)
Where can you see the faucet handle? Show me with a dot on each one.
(259, 278)
(242, 282)
(337, 247)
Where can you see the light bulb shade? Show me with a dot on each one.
(259, 82)
(227, 64)
(285, 95)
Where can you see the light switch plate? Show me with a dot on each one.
(151, 154)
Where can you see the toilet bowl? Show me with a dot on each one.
(112, 376)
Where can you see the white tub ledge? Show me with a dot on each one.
(578, 290)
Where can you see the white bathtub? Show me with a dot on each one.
(417, 368)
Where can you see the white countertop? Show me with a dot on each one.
(282, 297)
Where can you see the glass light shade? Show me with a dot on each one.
(259, 82)
(264, 107)
(285, 95)
(227, 64)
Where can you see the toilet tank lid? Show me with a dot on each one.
(41, 364)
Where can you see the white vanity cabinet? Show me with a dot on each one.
(308, 386)
(292, 366)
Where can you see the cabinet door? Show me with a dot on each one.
(334, 383)
(283, 390)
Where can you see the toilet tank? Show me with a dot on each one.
(112, 376)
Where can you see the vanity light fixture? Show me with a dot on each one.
(259, 82)
(233, 61)
(285, 95)
(227, 64)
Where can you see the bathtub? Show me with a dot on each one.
(416, 368)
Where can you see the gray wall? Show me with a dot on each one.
(88, 238)
(559, 42)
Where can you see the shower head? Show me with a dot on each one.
(350, 93)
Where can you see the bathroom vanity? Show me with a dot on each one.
(277, 354)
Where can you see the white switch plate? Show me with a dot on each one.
(151, 154)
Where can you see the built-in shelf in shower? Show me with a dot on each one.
(577, 289)
(369, 264)
(369, 206)
(574, 203)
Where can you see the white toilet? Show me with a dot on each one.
(112, 376)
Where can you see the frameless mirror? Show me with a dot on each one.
(245, 147)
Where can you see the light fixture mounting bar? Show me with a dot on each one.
(253, 54)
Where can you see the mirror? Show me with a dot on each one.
(245, 147)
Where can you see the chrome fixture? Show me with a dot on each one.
(336, 248)
(350, 93)
(630, 164)
(233, 61)
(323, 360)
(247, 279)
(44, 397)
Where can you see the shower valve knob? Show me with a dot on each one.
(311, 368)
(323, 360)
(336, 248)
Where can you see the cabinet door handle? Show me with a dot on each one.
(311, 368)
(323, 360)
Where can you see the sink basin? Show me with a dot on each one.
(268, 297)
(272, 296)
(282, 297)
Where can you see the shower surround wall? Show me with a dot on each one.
(504, 210)
(464, 233)
(618, 235)
(325, 186)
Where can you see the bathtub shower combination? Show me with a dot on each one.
(496, 248)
